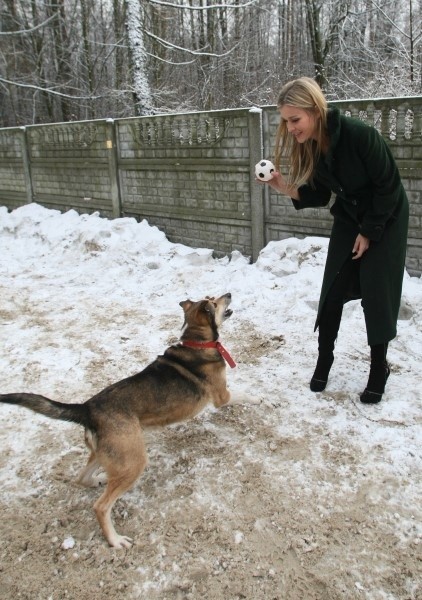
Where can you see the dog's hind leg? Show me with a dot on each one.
(124, 461)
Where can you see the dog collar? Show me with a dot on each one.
(217, 345)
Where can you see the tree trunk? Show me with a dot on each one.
(314, 27)
(135, 33)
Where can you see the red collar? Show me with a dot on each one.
(217, 345)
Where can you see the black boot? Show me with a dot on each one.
(322, 370)
(378, 375)
(328, 329)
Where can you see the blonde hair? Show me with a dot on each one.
(306, 94)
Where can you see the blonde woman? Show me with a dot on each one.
(331, 153)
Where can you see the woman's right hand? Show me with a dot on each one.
(279, 184)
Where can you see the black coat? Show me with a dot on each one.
(370, 199)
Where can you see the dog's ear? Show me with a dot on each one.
(208, 307)
(186, 304)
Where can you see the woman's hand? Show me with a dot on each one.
(277, 182)
(360, 247)
(280, 185)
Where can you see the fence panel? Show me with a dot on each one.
(192, 174)
(189, 174)
(70, 166)
(15, 184)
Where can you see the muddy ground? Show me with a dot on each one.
(255, 501)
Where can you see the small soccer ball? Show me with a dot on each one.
(264, 170)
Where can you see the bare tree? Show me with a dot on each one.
(135, 16)
(375, 54)
(76, 59)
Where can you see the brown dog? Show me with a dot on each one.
(175, 387)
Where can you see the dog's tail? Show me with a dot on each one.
(76, 413)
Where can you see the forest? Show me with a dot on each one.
(63, 60)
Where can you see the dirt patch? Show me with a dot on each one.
(209, 520)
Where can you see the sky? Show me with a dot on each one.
(87, 301)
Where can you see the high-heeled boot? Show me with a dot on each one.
(378, 375)
(328, 329)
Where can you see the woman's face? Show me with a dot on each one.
(300, 123)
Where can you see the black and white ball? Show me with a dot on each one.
(264, 170)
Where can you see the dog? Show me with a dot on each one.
(174, 387)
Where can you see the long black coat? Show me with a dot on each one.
(370, 199)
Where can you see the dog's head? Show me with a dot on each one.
(206, 314)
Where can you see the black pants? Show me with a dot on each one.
(345, 287)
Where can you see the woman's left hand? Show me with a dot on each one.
(361, 246)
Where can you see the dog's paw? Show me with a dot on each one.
(92, 481)
(99, 480)
(120, 541)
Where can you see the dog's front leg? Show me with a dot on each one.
(86, 476)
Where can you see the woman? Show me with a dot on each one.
(331, 153)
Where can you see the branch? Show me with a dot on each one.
(48, 91)
(390, 20)
(171, 46)
(25, 31)
(38, 88)
(170, 62)
(184, 7)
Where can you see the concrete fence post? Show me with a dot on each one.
(256, 190)
(113, 167)
(26, 165)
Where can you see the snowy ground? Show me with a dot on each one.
(284, 494)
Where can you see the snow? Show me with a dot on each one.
(130, 266)
(87, 301)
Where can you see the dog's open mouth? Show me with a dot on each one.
(221, 306)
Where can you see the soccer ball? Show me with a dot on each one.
(264, 170)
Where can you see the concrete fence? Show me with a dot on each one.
(192, 174)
